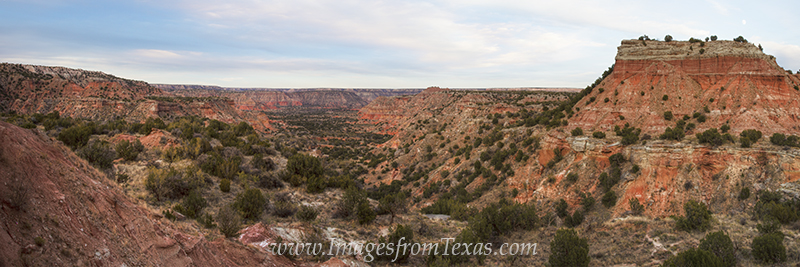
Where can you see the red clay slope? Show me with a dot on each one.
(81, 218)
(739, 84)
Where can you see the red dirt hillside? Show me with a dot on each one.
(738, 83)
(56, 210)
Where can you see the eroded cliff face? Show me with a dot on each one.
(84, 219)
(98, 96)
(739, 84)
(271, 99)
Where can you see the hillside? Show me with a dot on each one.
(94, 95)
(57, 210)
(271, 99)
(733, 83)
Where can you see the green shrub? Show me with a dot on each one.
(569, 250)
(192, 205)
(740, 39)
(574, 220)
(725, 128)
(264, 164)
(665, 97)
(698, 217)
(173, 184)
(365, 213)
(609, 199)
(720, 244)
(572, 177)
(228, 221)
(668, 115)
(99, 154)
(636, 207)
(561, 208)
(577, 131)
(587, 201)
(744, 193)
(225, 185)
(753, 135)
(712, 137)
(694, 258)
(769, 248)
(39, 241)
(307, 214)
(394, 203)
(76, 136)
(250, 203)
(599, 135)
(129, 151)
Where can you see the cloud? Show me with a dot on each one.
(788, 55)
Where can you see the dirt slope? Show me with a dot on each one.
(70, 214)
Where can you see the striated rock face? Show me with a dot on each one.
(270, 99)
(99, 96)
(83, 219)
(739, 84)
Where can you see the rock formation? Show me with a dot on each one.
(739, 84)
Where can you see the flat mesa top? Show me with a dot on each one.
(678, 50)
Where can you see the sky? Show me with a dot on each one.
(372, 44)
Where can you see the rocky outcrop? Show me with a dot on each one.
(738, 84)
(98, 96)
(57, 210)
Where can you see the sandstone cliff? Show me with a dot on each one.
(738, 83)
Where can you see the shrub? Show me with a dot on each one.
(569, 250)
(740, 39)
(751, 134)
(694, 257)
(668, 115)
(745, 142)
(665, 97)
(284, 207)
(572, 177)
(192, 205)
(587, 201)
(636, 207)
(39, 241)
(76, 136)
(725, 128)
(744, 193)
(769, 248)
(712, 137)
(129, 151)
(561, 208)
(307, 213)
(228, 221)
(99, 154)
(720, 244)
(574, 220)
(365, 213)
(264, 164)
(599, 135)
(609, 199)
(303, 165)
(668, 38)
(577, 131)
(225, 185)
(250, 203)
(698, 217)
(393, 204)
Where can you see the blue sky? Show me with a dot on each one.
(372, 44)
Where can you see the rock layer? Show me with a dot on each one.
(740, 85)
